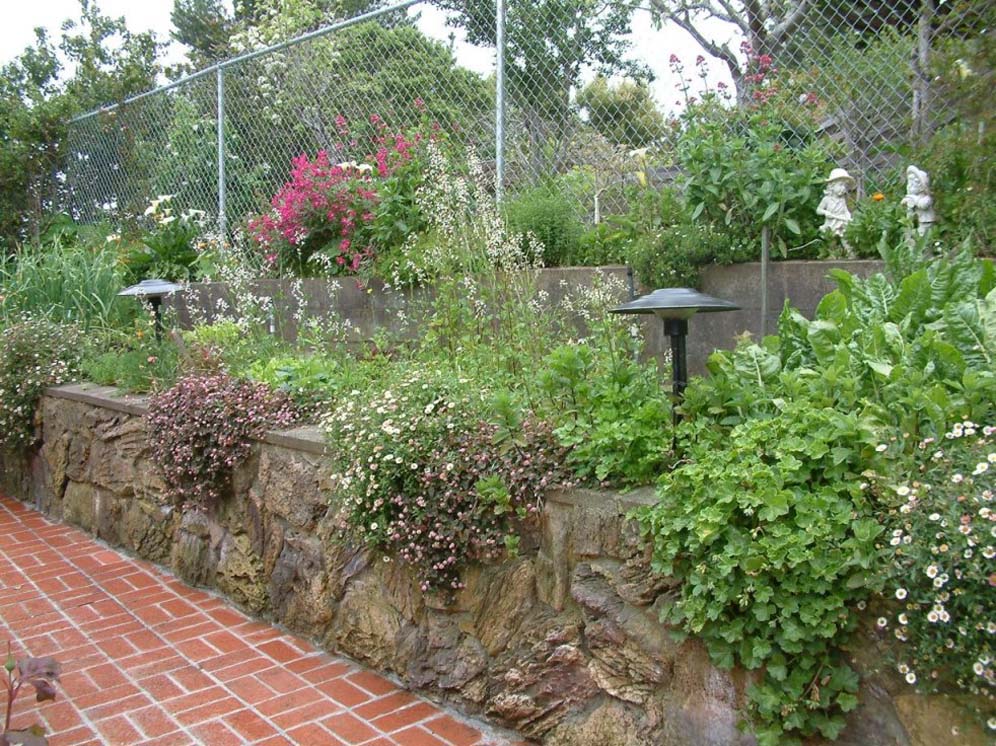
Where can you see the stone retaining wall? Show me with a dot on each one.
(562, 643)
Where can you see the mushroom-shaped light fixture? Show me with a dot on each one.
(153, 291)
(675, 306)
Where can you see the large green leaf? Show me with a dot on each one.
(914, 299)
(824, 338)
(961, 325)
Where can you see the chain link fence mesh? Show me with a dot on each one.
(585, 85)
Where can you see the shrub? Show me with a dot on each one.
(551, 217)
(676, 255)
(943, 565)
(740, 175)
(203, 427)
(427, 479)
(333, 218)
(34, 354)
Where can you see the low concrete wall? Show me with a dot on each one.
(803, 284)
(562, 643)
(370, 307)
(367, 307)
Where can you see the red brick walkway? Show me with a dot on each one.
(147, 660)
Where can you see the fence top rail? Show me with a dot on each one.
(217, 67)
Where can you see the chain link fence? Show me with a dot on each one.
(581, 86)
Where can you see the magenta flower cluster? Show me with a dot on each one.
(202, 428)
(327, 210)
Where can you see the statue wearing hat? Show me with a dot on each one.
(833, 206)
(918, 202)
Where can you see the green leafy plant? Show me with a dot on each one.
(769, 519)
(34, 354)
(135, 364)
(229, 345)
(39, 673)
(312, 381)
(168, 250)
(609, 410)
(773, 536)
(877, 219)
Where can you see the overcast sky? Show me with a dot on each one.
(652, 47)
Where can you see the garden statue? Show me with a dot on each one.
(833, 206)
(918, 202)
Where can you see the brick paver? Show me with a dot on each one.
(149, 661)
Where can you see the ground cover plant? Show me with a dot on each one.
(202, 428)
(942, 566)
(34, 354)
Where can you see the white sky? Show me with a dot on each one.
(652, 47)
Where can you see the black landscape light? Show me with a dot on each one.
(675, 306)
(153, 291)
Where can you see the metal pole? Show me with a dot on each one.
(765, 258)
(677, 330)
(500, 100)
(222, 227)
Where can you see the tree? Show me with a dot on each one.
(766, 26)
(623, 113)
(771, 28)
(103, 62)
(204, 26)
(549, 43)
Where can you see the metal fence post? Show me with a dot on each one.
(500, 100)
(222, 227)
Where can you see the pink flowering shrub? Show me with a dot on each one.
(34, 354)
(333, 218)
(202, 428)
(427, 480)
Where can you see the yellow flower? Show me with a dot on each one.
(878, 196)
(139, 333)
